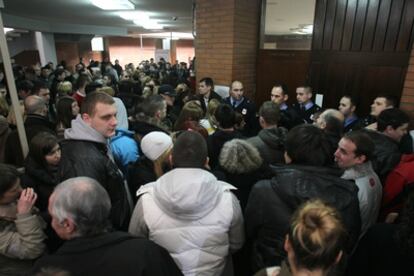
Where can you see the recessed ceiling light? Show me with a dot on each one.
(113, 4)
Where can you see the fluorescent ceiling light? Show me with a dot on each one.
(6, 30)
(113, 4)
(149, 24)
(134, 15)
(173, 35)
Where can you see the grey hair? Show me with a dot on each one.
(86, 202)
(34, 104)
(238, 156)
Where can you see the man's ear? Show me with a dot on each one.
(262, 122)
(286, 244)
(206, 165)
(360, 159)
(86, 118)
(69, 226)
(285, 97)
(288, 160)
(353, 108)
(170, 160)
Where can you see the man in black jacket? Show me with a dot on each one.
(206, 93)
(392, 124)
(80, 208)
(86, 152)
(272, 202)
(289, 117)
(36, 121)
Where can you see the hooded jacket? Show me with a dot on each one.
(124, 148)
(194, 216)
(271, 144)
(272, 203)
(85, 152)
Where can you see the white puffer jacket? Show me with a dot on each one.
(192, 215)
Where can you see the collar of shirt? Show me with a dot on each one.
(308, 105)
(235, 103)
(283, 106)
(350, 120)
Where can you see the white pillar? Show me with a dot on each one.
(45, 43)
(12, 87)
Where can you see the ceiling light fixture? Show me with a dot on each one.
(6, 30)
(304, 29)
(134, 15)
(149, 24)
(113, 4)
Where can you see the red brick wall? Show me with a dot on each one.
(185, 50)
(71, 51)
(128, 49)
(226, 42)
(407, 97)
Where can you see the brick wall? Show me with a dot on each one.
(128, 49)
(226, 42)
(407, 97)
(184, 50)
(71, 51)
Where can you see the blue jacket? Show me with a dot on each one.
(124, 148)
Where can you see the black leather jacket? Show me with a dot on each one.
(272, 203)
(86, 158)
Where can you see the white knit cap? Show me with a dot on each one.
(154, 144)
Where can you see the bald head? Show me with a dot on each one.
(331, 120)
(236, 90)
(35, 105)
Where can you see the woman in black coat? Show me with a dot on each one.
(41, 167)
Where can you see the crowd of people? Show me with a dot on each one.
(135, 171)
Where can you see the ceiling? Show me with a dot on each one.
(174, 15)
(80, 16)
(284, 15)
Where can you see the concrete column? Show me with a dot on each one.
(45, 43)
(227, 41)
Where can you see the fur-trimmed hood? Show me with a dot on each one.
(238, 156)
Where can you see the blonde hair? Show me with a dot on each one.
(159, 162)
(316, 235)
(211, 109)
(64, 88)
(107, 90)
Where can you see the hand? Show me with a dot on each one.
(391, 217)
(26, 201)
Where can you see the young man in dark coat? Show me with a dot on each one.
(306, 176)
(86, 152)
(206, 93)
(80, 208)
